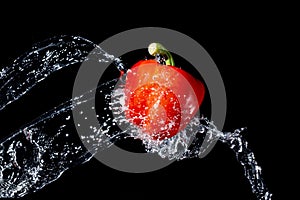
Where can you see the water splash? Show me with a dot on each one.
(188, 143)
(246, 157)
(42, 150)
(44, 59)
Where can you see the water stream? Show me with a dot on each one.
(40, 151)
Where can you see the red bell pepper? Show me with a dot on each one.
(161, 99)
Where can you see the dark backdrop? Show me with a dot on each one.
(244, 53)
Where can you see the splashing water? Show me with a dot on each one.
(42, 150)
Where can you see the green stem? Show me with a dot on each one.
(157, 48)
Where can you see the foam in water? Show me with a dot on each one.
(42, 150)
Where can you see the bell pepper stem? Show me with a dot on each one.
(157, 48)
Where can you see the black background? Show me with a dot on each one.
(246, 53)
